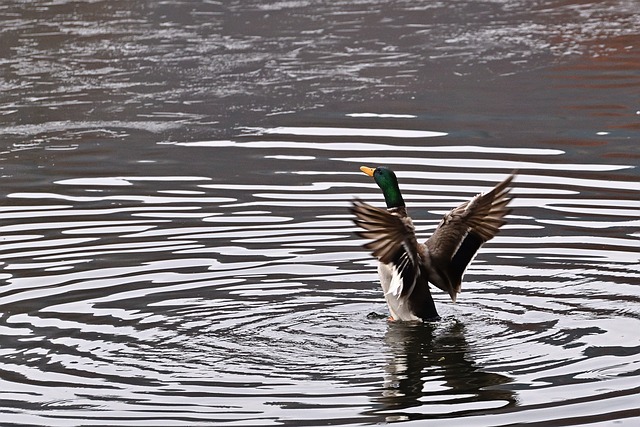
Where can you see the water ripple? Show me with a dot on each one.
(277, 300)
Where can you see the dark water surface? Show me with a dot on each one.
(176, 246)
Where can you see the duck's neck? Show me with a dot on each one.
(393, 197)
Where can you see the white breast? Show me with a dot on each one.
(392, 286)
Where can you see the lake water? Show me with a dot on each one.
(176, 244)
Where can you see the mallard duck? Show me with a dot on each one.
(406, 266)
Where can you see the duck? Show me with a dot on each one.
(406, 267)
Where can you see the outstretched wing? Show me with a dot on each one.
(461, 233)
(393, 242)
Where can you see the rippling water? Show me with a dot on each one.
(176, 244)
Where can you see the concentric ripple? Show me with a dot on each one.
(218, 302)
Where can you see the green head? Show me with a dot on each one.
(388, 183)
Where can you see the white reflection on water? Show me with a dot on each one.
(136, 198)
(484, 164)
(114, 181)
(356, 132)
(367, 146)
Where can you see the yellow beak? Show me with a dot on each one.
(368, 171)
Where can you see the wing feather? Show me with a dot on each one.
(462, 232)
(393, 242)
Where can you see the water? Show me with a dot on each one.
(176, 245)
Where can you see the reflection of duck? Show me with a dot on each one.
(430, 374)
(406, 267)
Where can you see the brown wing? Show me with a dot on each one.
(461, 233)
(387, 231)
(393, 242)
